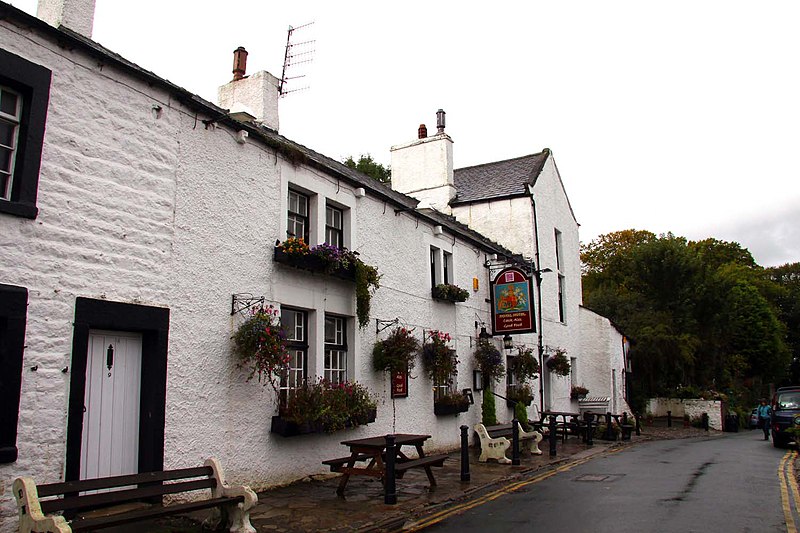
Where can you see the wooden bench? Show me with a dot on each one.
(429, 460)
(38, 505)
(495, 440)
(337, 464)
(504, 430)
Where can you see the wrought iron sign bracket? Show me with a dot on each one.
(245, 301)
(381, 325)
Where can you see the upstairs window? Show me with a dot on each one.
(447, 268)
(435, 262)
(24, 95)
(561, 281)
(297, 220)
(335, 369)
(334, 226)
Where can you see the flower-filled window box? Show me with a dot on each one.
(449, 293)
(578, 392)
(519, 394)
(336, 262)
(450, 404)
(324, 407)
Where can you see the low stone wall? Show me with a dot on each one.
(693, 408)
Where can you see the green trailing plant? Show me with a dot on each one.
(440, 362)
(558, 363)
(488, 409)
(521, 414)
(489, 361)
(397, 352)
(260, 346)
(367, 282)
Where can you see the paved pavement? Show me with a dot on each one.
(312, 504)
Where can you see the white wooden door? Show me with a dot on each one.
(110, 439)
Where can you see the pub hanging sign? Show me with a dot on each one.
(512, 309)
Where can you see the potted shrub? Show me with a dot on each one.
(489, 361)
(260, 346)
(578, 392)
(558, 363)
(324, 407)
(449, 293)
(450, 404)
(396, 353)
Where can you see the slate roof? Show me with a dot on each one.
(501, 179)
(289, 149)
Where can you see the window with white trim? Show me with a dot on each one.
(335, 366)
(447, 268)
(295, 323)
(562, 315)
(334, 226)
(297, 221)
(24, 97)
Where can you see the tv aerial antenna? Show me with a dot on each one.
(296, 54)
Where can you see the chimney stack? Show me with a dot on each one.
(77, 15)
(440, 121)
(422, 132)
(239, 63)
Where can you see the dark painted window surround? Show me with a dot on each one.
(153, 324)
(13, 318)
(32, 81)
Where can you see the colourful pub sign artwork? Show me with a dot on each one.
(512, 311)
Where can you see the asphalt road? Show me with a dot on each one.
(731, 483)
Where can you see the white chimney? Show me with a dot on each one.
(256, 95)
(424, 168)
(77, 15)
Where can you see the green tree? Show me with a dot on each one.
(370, 167)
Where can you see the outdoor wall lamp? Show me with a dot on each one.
(484, 335)
(477, 380)
(508, 342)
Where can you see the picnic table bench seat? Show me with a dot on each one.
(39, 505)
(337, 464)
(429, 460)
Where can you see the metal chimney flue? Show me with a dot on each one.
(239, 63)
(440, 121)
(422, 132)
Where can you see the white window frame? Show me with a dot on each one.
(335, 360)
(295, 215)
(334, 228)
(295, 322)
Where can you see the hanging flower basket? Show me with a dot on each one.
(519, 394)
(440, 362)
(578, 392)
(449, 293)
(324, 407)
(260, 346)
(489, 361)
(395, 353)
(558, 363)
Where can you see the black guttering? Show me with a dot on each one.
(291, 150)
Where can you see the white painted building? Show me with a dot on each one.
(132, 211)
(604, 366)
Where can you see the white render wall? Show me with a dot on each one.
(603, 360)
(510, 223)
(140, 203)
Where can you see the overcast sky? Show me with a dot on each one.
(679, 116)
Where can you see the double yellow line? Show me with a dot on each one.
(507, 489)
(789, 485)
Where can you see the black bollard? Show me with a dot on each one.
(589, 429)
(625, 418)
(514, 442)
(638, 424)
(552, 426)
(464, 454)
(609, 433)
(669, 419)
(389, 488)
(705, 421)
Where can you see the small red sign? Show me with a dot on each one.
(400, 384)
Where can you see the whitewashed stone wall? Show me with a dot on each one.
(140, 203)
(693, 408)
(602, 363)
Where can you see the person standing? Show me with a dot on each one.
(764, 416)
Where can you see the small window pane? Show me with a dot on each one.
(8, 103)
(7, 134)
(5, 160)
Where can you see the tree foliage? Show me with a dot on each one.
(370, 167)
(700, 314)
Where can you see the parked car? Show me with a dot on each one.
(785, 414)
(753, 424)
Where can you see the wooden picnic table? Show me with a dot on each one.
(562, 426)
(372, 451)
